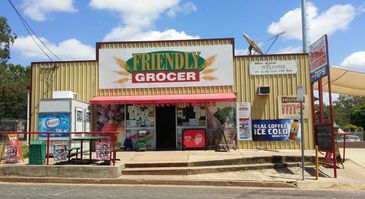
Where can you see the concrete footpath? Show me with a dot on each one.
(351, 177)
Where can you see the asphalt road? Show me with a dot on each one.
(57, 191)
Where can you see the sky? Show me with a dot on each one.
(70, 28)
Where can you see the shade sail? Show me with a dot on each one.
(165, 99)
(344, 81)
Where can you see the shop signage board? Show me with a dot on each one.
(102, 149)
(324, 137)
(185, 66)
(276, 130)
(60, 123)
(194, 139)
(289, 107)
(244, 121)
(318, 59)
(273, 67)
(12, 149)
(60, 152)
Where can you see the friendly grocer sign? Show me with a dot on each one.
(166, 67)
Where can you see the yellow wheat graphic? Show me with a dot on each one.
(209, 78)
(123, 72)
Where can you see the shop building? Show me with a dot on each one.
(172, 95)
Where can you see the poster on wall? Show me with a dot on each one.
(60, 152)
(276, 130)
(244, 121)
(142, 138)
(111, 118)
(183, 66)
(223, 115)
(102, 149)
(194, 139)
(289, 107)
(59, 123)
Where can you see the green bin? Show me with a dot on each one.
(37, 152)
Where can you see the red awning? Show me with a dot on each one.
(165, 99)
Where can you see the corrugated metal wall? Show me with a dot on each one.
(79, 77)
(266, 107)
(162, 91)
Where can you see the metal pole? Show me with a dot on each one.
(304, 26)
(316, 162)
(302, 133)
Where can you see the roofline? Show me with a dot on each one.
(58, 62)
(164, 41)
(271, 55)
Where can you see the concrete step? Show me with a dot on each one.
(191, 170)
(234, 161)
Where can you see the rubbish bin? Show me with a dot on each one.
(37, 152)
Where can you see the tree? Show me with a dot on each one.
(343, 108)
(14, 80)
(358, 115)
(6, 39)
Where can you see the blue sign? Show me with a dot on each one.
(276, 130)
(54, 122)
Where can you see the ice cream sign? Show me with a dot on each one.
(166, 67)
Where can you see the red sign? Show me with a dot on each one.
(318, 59)
(194, 139)
(171, 76)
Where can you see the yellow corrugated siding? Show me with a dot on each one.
(79, 77)
(156, 44)
(266, 107)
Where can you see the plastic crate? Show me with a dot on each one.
(37, 152)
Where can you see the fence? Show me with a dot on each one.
(54, 136)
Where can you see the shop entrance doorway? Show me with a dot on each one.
(165, 128)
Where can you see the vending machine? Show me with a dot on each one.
(61, 115)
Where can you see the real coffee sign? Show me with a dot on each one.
(166, 67)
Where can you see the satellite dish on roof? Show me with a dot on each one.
(252, 45)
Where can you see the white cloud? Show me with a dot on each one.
(71, 49)
(240, 51)
(355, 61)
(335, 18)
(184, 9)
(138, 17)
(290, 49)
(39, 9)
(133, 34)
(136, 12)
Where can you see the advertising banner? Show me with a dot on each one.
(54, 122)
(276, 130)
(244, 121)
(60, 152)
(102, 149)
(194, 139)
(166, 67)
(223, 116)
(318, 59)
(289, 107)
(273, 67)
(111, 118)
